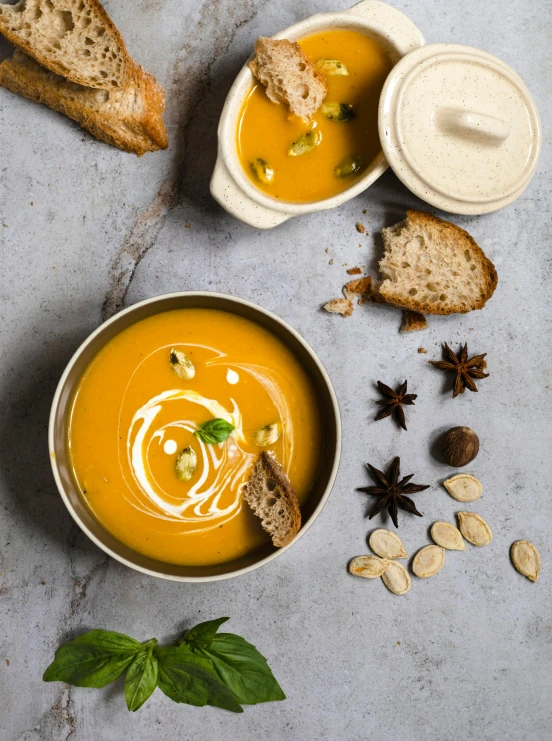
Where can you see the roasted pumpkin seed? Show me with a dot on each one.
(262, 171)
(267, 435)
(463, 487)
(386, 544)
(447, 536)
(331, 67)
(526, 559)
(369, 567)
(428, 561)
(474, 528)
(186, 464)
(338, 111)
(349, 166)
(396, 578)
(182, 365)
(306, 143)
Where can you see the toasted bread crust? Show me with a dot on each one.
(130, 119)
(267, 468)
(421, 220)
(50, 62)
(413, 321)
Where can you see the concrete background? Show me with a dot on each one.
(87, 229)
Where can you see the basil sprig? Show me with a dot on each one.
(204, 667)
(214, 431)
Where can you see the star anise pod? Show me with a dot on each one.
(466, 369)
(392, 403)
(392, 491)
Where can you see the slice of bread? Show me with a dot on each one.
(434, 267)
(128, 118)
(75, 38)
(270, 495)
(288, 76)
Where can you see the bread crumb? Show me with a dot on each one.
(7, 662)
(327, 250)
(422, 350)
(188, 226)
(413, 321)
(4, 225)
(361, 287)
(360, 227)
(32, 203)
(354, 271)
(331, 261)
(398, 643)
(364, 211)
(340, 306)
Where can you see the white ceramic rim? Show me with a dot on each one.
(130, 310)
(348, 19)
(392, 145)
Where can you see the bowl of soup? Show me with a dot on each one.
(366, 41)
(126, 408)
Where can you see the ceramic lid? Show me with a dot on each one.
(459, 128)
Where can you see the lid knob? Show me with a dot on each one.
(471, 125)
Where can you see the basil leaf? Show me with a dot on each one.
(141, 677)
(214, 431)
(242, 669)
(93, 660)
(186, 677)
(203, 633)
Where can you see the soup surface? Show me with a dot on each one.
(266, 130)
(132, 415)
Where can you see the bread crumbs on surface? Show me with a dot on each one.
(188, 226)
(327, 250)
(422, 350)
(398, 643)
(331, 262)
(7, 662)
(340, 306)
(364, 211)
(360, 227)
(354, 271)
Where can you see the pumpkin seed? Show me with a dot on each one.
(396, 578)
(331, 67)
(262, 171)
(338, 111)
(306, 143)
(369, 567)
(186, 464)
(474, 528)
(267, 435)
(428, 561)
(349, 166)
(447, 536)
(182, 365)
(463, 487)
(526, 559)
(386, 544)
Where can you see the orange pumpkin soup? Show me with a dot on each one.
(299, 161)
(135, 412)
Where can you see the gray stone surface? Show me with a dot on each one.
(87, 229)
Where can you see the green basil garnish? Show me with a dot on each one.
(204, 668)
(93, 660)
(214, 431)
(142, 677)
(237, 663)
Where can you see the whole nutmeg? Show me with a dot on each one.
(460, 446)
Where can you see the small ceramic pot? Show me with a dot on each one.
(231, 187)
(57, 433)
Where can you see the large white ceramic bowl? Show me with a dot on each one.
(229, 184)
(57, 433)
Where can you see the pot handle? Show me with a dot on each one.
(403, 34)
(232, 199)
